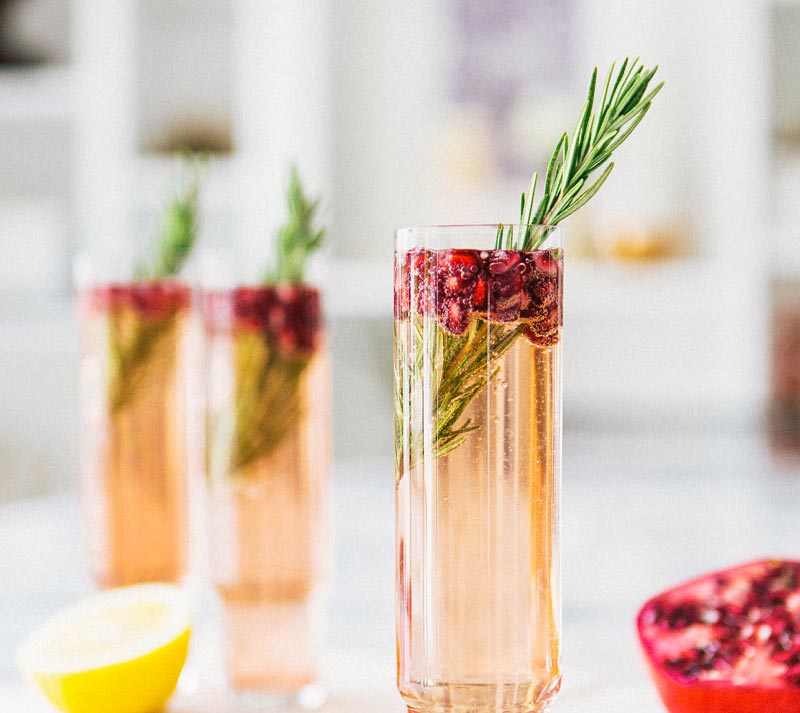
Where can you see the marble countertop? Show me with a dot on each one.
(640, 512)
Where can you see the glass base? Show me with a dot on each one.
(540, 709)
(271, 647)
(309, 698)
(481, 698)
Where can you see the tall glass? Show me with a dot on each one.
(268, 457)
(133, 455)
(478, 436)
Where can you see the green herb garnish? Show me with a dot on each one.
(460, 362)
(140, 344)
(299, 238)
(602, 127)
(177, 232)
(268, 402)
(460, 378)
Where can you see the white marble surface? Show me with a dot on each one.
(639, 513)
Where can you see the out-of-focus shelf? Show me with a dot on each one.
(644, 340)
(647, 289)
(36, 94)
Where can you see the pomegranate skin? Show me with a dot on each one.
(713, 696)
(719, 697)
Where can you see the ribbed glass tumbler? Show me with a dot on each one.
(477, 361)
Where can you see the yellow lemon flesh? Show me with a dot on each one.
(120, 651)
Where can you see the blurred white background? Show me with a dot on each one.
(682, 324)
(404, 112)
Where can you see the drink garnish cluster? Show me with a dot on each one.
(144, 315)
(483, 301)
(277, 330)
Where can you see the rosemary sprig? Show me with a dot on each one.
(603, 125)
(134, 341)
(463, 373)
(298, 238)
(177, 231)
(268, 398)
(462, 365)
(135, 346)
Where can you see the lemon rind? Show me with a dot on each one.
(35, 660)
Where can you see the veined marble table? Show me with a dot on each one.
(639, 514)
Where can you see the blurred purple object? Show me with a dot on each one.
(506, 49)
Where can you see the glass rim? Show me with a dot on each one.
(475, 236)
(493, 226)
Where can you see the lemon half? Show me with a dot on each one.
(120, 651)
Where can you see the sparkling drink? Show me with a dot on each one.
(268, 425)
(477, 379)
(133, 431)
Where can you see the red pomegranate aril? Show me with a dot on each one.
(150, 300)
(546, 263)
(275, 317)
(503, 261)
(543, 293)
(505, 296)
(464, 259)
(502, 286)
(750, 658)
(287, 340)
(452, 285)
(420, 259)
(457, 271)
(506, 287)
(479, 295)
(539, 337)
(455, 317)
(288, 316)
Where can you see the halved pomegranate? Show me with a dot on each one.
(728, 642)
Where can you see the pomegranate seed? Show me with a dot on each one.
(289, 316)
(150, 300)
(479, 295)
(503, 261)
(498, 285)
(455, 317)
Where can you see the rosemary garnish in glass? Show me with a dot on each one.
(607, 119)
(144, 322)
(276, 341)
